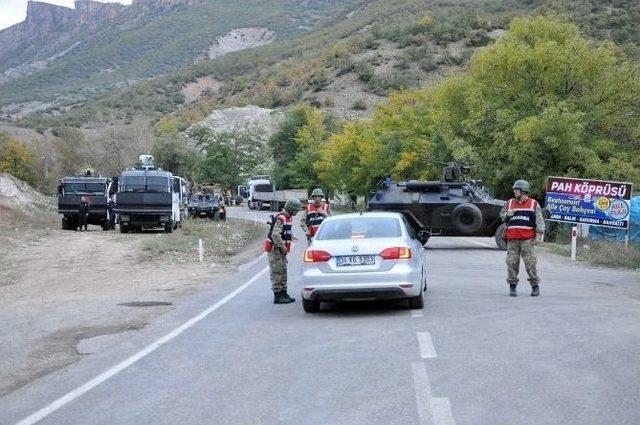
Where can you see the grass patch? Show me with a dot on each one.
(602, 253)
(222, 240)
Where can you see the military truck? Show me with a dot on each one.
(260, 194)
(453, 206)
(150, 198)
(94, 189)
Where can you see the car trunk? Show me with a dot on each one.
(353, 248)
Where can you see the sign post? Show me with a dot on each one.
(594, 202)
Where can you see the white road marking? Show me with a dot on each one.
(422, 390)
(417, 313)
(441, 410)
(431, 410)
(87, 386)
(427, 350)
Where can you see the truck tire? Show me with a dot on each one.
(124, 228)
(499, 237)
(65, 224)
(168, 228)
(466, 218)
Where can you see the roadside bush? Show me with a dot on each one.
(359, 105)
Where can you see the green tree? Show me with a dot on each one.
(226, 158)
(283, 146)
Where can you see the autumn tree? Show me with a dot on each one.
(18, 159)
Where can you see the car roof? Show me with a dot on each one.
(378, 214)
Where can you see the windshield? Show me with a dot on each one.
(360, 228)
(158, 184)
(140, 184)
(84, 188)
(263, 188)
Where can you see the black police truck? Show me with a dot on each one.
(150, 198)
(94, 190)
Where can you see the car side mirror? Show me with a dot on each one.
(423, 236)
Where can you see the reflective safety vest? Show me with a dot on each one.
(287, 232)
(522, 225)
(315, 216)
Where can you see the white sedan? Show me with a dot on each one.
(366, 256)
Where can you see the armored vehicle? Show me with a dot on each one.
(94, 190)
(453, 206)
(203, 205)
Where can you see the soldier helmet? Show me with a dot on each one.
(293, 205)
(317, 192)
(523, 185)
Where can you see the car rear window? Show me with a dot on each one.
(360, 228)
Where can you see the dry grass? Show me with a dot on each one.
(222, 240)
(608, 254)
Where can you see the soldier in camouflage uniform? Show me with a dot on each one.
(525, 228)
(278, 245)
(314, 214)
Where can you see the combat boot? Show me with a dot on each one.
(512, 291)
(535, 290)
(288, 297)
(281, 298)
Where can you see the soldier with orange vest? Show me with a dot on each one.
(278, 245)
(315, 212)
(525, 228)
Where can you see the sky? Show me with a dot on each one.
(14, 11)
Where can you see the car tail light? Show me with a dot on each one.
(315, 256)
(396, 253)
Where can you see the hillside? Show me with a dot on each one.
(61, 56)
(346, 65)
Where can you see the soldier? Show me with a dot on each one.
(315, 212)
(278, 245)
(83, 212)
(111, 214)
(525, 228)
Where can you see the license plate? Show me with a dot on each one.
(356, 260)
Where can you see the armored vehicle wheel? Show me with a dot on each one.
(417, 302)
(467, 218)
(499, 237)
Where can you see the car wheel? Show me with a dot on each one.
(311, 306)
(417, 302)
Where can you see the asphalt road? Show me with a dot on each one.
(472, 356)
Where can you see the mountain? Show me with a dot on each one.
(61, 56)
(182, 59)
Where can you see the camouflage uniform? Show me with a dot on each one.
(524, 248)
(278, 259)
